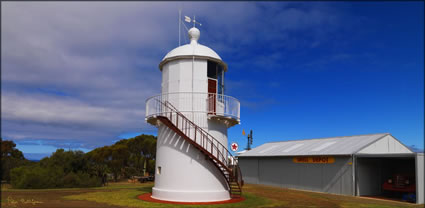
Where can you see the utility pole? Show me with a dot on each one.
(249, 141)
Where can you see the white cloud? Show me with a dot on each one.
(104, 57)
(66, 111)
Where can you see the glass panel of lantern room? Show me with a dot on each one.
(212, 70)
(220, 80)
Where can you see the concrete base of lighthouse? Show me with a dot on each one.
(183, 173)
(190, 196)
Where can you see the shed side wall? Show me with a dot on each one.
(420, 179)
(249, 169)
(283, 172)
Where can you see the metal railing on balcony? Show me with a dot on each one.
(210, 103)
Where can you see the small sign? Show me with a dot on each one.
(234, 146)
(322, 160)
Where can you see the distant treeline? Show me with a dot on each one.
(125, 158)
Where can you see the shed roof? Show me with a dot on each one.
(345, 145)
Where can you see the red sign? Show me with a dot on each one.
(234, 147)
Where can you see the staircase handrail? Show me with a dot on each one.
(171, 107)
(231, 167)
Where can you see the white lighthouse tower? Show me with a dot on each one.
(192, 114)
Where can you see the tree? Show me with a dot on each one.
(61, 169)
(127, 157)
(136, 159)
(118, 160)
(114, 157)
(11, 158)
(70, 161)
(98, 162)
(149, 151)
(142, 150)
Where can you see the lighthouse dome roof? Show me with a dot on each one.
(193, 49)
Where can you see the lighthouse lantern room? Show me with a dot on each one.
(192, 114)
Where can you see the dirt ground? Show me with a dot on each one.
(13, 198)
(303, 199)
(48, 199)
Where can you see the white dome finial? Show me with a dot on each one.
(194, 34)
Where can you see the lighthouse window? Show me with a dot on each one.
(158, 171)
(215, 71)
(212, 69)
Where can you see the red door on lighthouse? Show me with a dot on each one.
(212, 94)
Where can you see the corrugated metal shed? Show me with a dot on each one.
(361, 164)
(346, 145)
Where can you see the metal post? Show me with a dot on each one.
(180, 14)
(353, 172)
(196, 128)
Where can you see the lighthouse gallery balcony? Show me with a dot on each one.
(216, 106)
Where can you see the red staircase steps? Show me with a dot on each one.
(207, 144)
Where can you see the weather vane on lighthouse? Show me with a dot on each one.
(187, 19)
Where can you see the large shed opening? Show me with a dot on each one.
(387, 177)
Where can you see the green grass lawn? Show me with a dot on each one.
(126, 196)
(117, 195)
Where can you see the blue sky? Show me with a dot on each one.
(75, 75)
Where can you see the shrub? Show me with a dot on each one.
(31, 177)
(71, 180)
(36, 177)
(87, 181)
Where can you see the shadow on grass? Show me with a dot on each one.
(145, 189)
